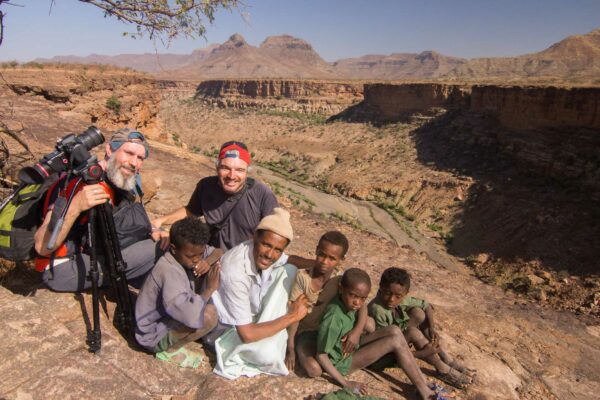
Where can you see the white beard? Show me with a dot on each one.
(113, 172)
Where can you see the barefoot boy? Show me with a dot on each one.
(168, 311)
(320, 285)
(414, 317)
(340, 318)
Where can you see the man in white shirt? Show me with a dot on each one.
(252, 302)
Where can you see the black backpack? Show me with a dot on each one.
(20, 219)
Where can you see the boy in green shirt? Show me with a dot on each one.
(340, 318)
(393, 306)
(319, 284)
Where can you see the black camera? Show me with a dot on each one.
(72, 153)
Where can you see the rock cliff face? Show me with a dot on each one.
(322, 97)
(425, 65)
(395, 102)
(70, 98)
(539, 108)
(555, 131)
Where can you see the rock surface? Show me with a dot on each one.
(519, 349)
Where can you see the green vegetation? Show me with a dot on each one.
(436, 228)
(9, 64)
(33, 64)
(212, 152)
(298, 199)
(176, 139)
(315, 119)
(447, 237)
(113, 104)
(392, 207)
(287, 167)
(353, 222)
(195, 149)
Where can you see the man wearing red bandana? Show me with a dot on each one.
(231, 203)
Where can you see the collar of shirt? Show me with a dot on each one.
(261, 282)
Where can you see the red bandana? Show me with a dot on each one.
(235, 151)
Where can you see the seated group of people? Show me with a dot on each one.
(229, 282)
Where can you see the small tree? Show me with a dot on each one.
(112, 103)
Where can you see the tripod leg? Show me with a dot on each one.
(124, 317)
(94, 336)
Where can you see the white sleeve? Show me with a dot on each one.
(232, 301)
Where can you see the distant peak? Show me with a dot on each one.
(285, 41)
(428, 54)
(237, 40)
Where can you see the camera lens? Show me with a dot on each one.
(91, 137)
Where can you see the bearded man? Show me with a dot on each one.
(65, 266)
(232, 203)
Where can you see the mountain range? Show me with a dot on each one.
(574, 59)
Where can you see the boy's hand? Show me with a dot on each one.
(299, 308)
(162, 236)
(350, 342)
(213, 279)
(433, 335)
(290, 359)
(357, 387)
(201, 268)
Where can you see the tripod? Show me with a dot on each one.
(102, 238)
(101, 222)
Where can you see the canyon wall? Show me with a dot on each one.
(391, 103)
(552, 131)
(525, 108)
(308, 96)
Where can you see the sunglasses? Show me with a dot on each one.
(135, 135)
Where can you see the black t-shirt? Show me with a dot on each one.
(237, 215)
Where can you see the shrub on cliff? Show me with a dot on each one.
(113, 104)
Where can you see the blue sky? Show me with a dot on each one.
(335, 28)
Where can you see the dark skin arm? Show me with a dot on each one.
(204, 265)
(325, 362)
(254, 332)
(433, 335)
(352, 338)
(212, 282)
(290, 354)
(301, 262)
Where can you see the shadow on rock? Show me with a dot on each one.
(514, 211)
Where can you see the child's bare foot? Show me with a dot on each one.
(462, 368)
(455, 378)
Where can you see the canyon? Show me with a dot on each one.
(500, 180)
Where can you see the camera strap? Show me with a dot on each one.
(216, 227)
